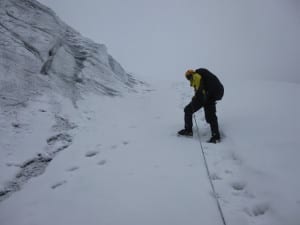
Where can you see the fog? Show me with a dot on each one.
(162, 38)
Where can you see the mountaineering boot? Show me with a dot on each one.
(214, 139)
(185, 132)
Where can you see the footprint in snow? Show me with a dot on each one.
(58, 184)
(258, 210)
(73, 168)
(125, 142)
(238, 185)
(91, 154)
(102, 162)
(228, 172)
(236, 158)
(114, 147)
(215, 176)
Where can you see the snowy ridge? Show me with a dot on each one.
(35, 41)
(46, 67)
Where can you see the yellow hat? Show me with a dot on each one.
(189, 73)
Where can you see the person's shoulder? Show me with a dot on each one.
(197, 75)
(201, 70)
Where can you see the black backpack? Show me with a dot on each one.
(212, 85)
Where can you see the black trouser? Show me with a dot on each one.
(210, 115)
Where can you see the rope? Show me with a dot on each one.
(209, 176)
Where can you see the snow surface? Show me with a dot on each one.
(71, 155)
(126, 164)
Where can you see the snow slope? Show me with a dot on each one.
(71, 155)
(44, 63)
(40, 52)
(127, 166)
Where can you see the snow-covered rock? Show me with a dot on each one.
(38, 51)
(46, 67)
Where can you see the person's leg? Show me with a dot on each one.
(212, 119)
(188, 117)
(192, 107)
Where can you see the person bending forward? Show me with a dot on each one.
(208, 90)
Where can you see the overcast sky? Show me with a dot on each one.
(163, 38)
